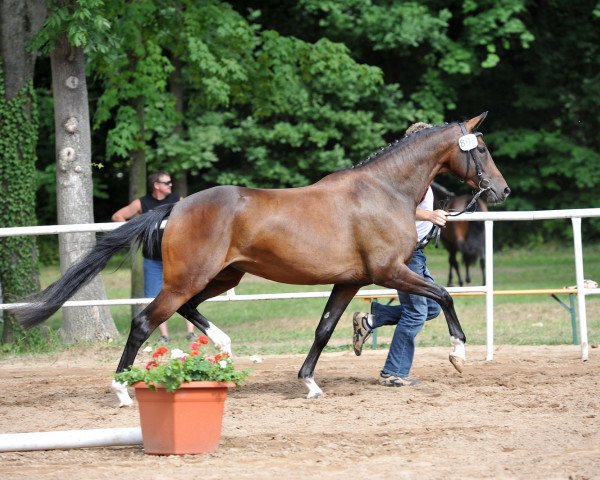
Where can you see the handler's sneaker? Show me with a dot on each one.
(362, 330)
(164, 339)
(389, 380)
(191, 336)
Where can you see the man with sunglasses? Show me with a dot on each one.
(159, 193)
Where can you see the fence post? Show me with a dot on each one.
(580, 287)
(489, 289)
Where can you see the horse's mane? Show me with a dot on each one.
(413, 133)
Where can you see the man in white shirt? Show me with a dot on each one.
(413, 311)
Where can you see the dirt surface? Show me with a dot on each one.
(534, 412)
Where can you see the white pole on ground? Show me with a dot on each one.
(489, 289)
(580, 287)
(101, 437)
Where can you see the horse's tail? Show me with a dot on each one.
(143, 229)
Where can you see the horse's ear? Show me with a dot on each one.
(475, 122)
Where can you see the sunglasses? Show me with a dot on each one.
(170, 182)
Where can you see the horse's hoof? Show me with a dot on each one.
(457, 362)
(122, 394)
(126, 403)
(313, 389)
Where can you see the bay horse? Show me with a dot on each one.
(468, 238)
(352, 228)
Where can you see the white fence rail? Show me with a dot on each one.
(488, 290)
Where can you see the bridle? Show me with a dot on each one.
(467, 143)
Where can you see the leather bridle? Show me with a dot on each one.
(468, 144)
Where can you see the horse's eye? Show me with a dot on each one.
(482, 149)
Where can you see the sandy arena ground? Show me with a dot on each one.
(534, 412)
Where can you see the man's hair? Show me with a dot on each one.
(415, 127)
(154, 177)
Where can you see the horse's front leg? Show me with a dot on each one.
(340, 297)
(410, 282)
(482, 266)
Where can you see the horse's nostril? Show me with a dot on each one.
(507, 191)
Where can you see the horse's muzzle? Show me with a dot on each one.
(494, 197)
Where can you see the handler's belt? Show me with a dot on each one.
(434, 232)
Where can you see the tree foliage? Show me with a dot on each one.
(260, 108)
(279, 94)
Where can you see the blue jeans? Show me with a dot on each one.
(153, 276)
(409, 318)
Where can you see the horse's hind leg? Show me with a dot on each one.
(339, 299)
(142, 325)
(226, 280)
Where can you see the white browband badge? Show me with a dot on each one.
(467, 142)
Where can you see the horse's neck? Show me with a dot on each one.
(411, 170)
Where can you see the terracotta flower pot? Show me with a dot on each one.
(184, 422)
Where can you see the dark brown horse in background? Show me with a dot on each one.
(352, 228)
(468, 238)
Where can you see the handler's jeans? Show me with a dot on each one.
(409, 318)
(153, 277)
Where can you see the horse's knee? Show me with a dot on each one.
(446, 300)
(324, 331)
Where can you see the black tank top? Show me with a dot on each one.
(150, 203)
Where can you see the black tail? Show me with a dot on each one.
(140, 230)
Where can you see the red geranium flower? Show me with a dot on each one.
(160, 351)
(203, 340)
(151, 363)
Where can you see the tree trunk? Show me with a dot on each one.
(19, 21)
(137, 189)
(74, 188)
(176, 87)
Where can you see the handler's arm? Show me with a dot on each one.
(437, 217)
(125, 213)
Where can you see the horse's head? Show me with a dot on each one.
(471, 161)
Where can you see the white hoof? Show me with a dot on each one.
(219, 338)
(458, 355)
(123, 395)
(313, 389)
(457, 362)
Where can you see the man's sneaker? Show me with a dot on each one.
(164, 339)
(190, 336)
(389, 380)
(362, 330)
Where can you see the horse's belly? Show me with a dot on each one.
(303, 272)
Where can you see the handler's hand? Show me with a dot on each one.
(438, 217)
